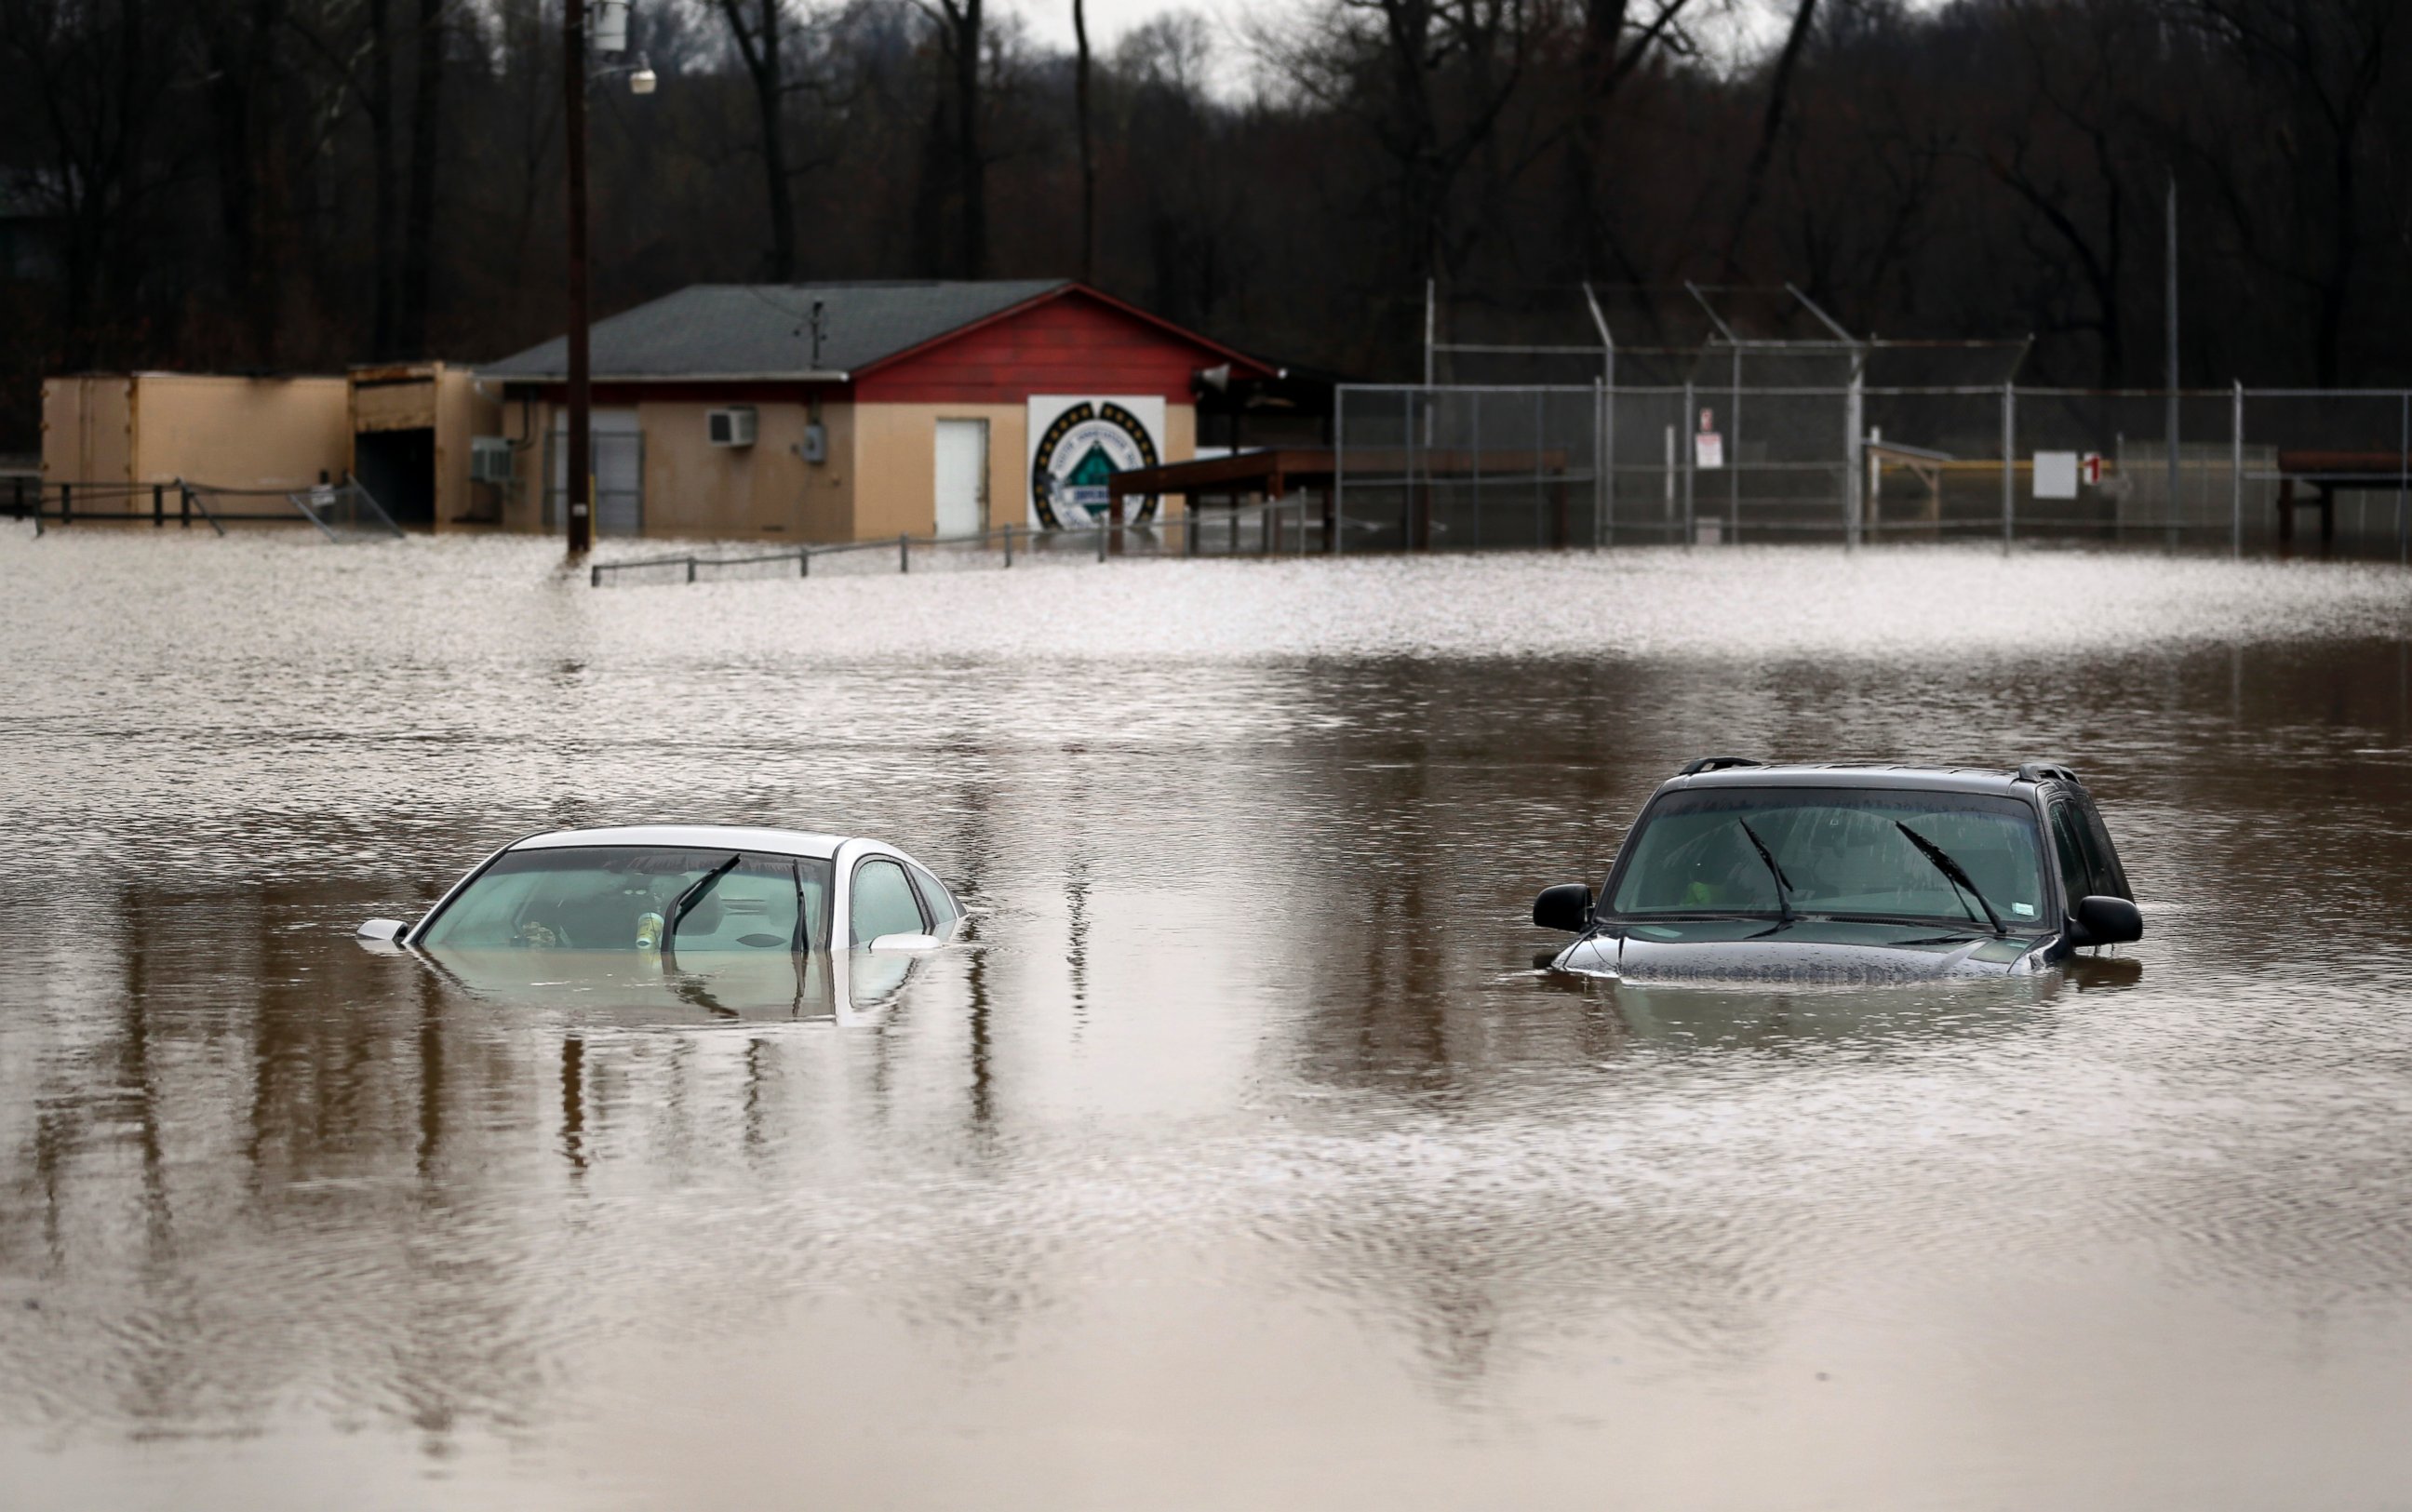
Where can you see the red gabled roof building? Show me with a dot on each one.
(857, 411)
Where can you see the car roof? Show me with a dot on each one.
(1865, 774)
(693, 837)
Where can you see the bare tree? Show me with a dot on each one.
(1088, 150)
(1754, 180)
(94, 75)
(2055, 142)
(2318, 67)
(963, 37)
(758, 48)
(1428, 79)
(363, 66)
(262, 183)
(1605, 59)
(245, 43)
(418, 227)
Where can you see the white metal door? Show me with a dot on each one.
(963, 477)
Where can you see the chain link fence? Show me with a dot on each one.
(1295, 527)
(1464, 467)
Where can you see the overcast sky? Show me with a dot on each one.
(1051, 23)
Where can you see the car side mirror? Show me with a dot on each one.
(2101, 920)
(894, 944)
(1566, 906)
(385, 931)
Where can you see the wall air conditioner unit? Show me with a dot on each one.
(489, 459)
(730, 427)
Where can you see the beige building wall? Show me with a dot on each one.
(764, 491)
(158, 427)
(880, 479)
(241, 433)
(526, 425)
(829, 513)
(462, 413)
(88, 436)
(897, 461)
(896, 458)
(897, 455)
(87, 430)
(1180, 445)
(392, 399)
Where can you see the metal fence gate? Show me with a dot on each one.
(1466, 467)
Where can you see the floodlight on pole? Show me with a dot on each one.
(643, 81)
(610, 28)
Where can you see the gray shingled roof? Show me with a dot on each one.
(710, 330)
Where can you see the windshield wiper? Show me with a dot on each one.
(1783, 886)
(693, 894)
(801, 944)
(1911, 920)
(1952, 871)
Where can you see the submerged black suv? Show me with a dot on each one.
(1738, 871)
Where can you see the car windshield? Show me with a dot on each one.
(621, 897)
(1834, 852)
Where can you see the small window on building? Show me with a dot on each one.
(732, 427)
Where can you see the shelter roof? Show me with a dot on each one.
(722, 332)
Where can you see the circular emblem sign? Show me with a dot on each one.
(1087, 445)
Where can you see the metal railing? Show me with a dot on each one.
(71, 503)
(339, 511)
(1285, 527)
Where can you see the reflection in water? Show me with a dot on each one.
(573, 1101)
(1240, 1157)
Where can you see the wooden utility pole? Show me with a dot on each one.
(2170, 426)
(579, 474)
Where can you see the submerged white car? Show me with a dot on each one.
(671, 901)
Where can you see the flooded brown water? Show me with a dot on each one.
(1242, 1160)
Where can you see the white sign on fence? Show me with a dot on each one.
(2055, 475)
(1708, 447)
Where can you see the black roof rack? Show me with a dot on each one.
(2035, 772)
(1694, 768)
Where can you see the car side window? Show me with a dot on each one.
(883, 903)
(2067, 844)
(2109, 877)
(935, 896)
